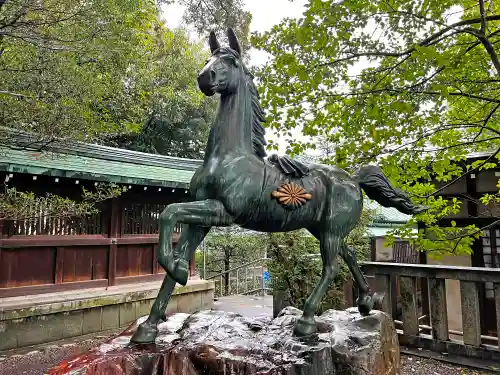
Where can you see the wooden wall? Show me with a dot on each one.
(117, 246)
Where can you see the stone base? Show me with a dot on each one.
(216, 342)
(41, 319)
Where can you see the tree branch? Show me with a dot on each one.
(17, 95)
(487, 45)
(390, 70)
(424, 43)
(461, 144)
(485, 122)
(22, 12)
(465, 174)
(424, 92)
(367, 54)
(482, 11)
(470, 234)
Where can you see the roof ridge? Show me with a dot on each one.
(96, 151)
(386, 214)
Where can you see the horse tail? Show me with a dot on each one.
(377, 187)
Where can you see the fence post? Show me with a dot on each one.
(438, 307)
(114, 232)
(470, 313)
(384, 286)
(497, 307)
(246, 279)
(204, 260)
(238, 281)
(281, 299)
(408, 287)
(262, 284)
(59, 265)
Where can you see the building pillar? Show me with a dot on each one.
(114, 233)
(192, 268)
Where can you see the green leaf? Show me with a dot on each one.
(409, 98)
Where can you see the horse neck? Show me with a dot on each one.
(231, 131)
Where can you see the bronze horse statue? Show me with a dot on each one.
(237, 185)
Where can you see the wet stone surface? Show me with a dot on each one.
(217, 342)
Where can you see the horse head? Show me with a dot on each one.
(224, 68)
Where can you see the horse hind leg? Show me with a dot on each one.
(365, 300)
(330, 247)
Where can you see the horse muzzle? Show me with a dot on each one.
(206, 85)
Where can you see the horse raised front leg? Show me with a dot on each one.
(146, 333)
(365, 300)
(206, 213)
(330, 246)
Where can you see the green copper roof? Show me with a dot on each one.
(386, 214)
(376, 231)
(95, 162)
(74, 166)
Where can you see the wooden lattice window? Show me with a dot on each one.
(142, 218)
(404, 252)
(41, 224)
(39, 221)
(490, 243)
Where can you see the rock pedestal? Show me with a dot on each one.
(217, 343)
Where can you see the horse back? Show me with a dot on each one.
(321, 186)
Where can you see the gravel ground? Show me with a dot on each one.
(424, 366)
(37, 362)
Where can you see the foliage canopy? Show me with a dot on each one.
(413, 86)
(100, 71)
(78, 69)
(218, 15)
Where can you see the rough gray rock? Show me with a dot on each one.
(217, 342)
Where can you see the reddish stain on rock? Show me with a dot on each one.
(216, 342)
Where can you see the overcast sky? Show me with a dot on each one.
(265, 14)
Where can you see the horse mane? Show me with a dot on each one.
(258, 131)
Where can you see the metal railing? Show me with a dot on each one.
(245, 279)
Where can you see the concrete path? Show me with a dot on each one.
(250, 306)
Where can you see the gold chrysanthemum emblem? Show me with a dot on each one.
(291, 195)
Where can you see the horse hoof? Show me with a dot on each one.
(167, 262)
(365, 304)
(146, 334)
(305, 327)
(179, 271)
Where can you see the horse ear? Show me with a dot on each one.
(212, 41)
(233, 41)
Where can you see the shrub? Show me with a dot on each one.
(296, 264)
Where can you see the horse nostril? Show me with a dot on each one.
(212, 75)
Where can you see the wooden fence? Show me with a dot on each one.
(435, 335)
(117, 246)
